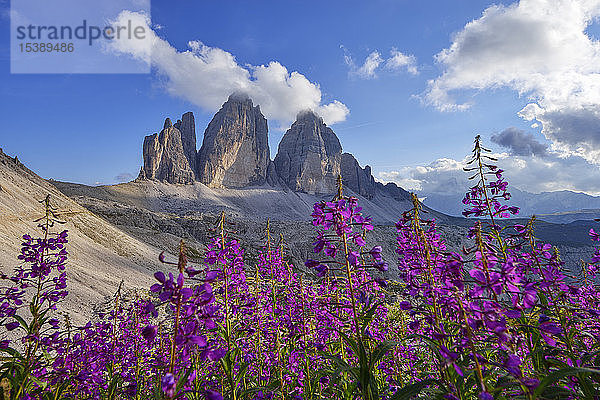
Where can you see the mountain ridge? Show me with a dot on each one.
(562, 206)
(235, 154)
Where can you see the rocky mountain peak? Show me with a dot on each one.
(309, 115)
(235, 153)
(187, 127)
(165, 158)
(239, 97)
(235, 148)
(309, 155)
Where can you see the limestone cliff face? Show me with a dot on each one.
(235, 154)
(187, 126)
(309, 156)
(356, 178)
(235, 149)
(164, 157)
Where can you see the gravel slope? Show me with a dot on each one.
(100, 254)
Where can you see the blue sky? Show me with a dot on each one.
(89, 128)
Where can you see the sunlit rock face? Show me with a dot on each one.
(164, 157)
(356, 178)
(309, 156)
(235, 149)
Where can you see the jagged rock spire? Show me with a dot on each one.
(164, 157)
(309, 156)
(235, 149)
(187, 126)
(235, 153)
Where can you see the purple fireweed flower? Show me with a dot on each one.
(450, 396)
(130, 390)
(381, 266)
(149, 309)
(550, 328)
(485, 396)
(169, 289)
(381, 282)
(283, 326)
(512, 364)
(322, 270)
(149, 332)
(319, 245)
(167, 384)
(212, 395)
(11, 326)
(448, 355)
(354, 258)
(359, 240)
(216, 354)
(376, 252)
(531, 383)
(331, 250)
(188, 336)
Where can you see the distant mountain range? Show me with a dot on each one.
(559, 207)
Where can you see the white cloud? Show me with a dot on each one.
(206, 76)
(540, 49)
(441, 176)
(374, 62)
(140, 49)
(528, 173)
(334, 111)
(399, 60)
(402, 178)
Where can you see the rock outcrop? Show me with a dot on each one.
(272, 178)
(356, 178)
(187, 127)
(164, 157)
(309, 156)
(394, 191)
(235, 149)
(235, 154)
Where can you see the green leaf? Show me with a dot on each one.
(38, 381)
(341, 364)
(380, 351)
(557, 392)
(21, 321)
(412, 390)
(368, 315)
(184, 378)
(13, 353)
(555, 376)
(241, 372)
(351, 342)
